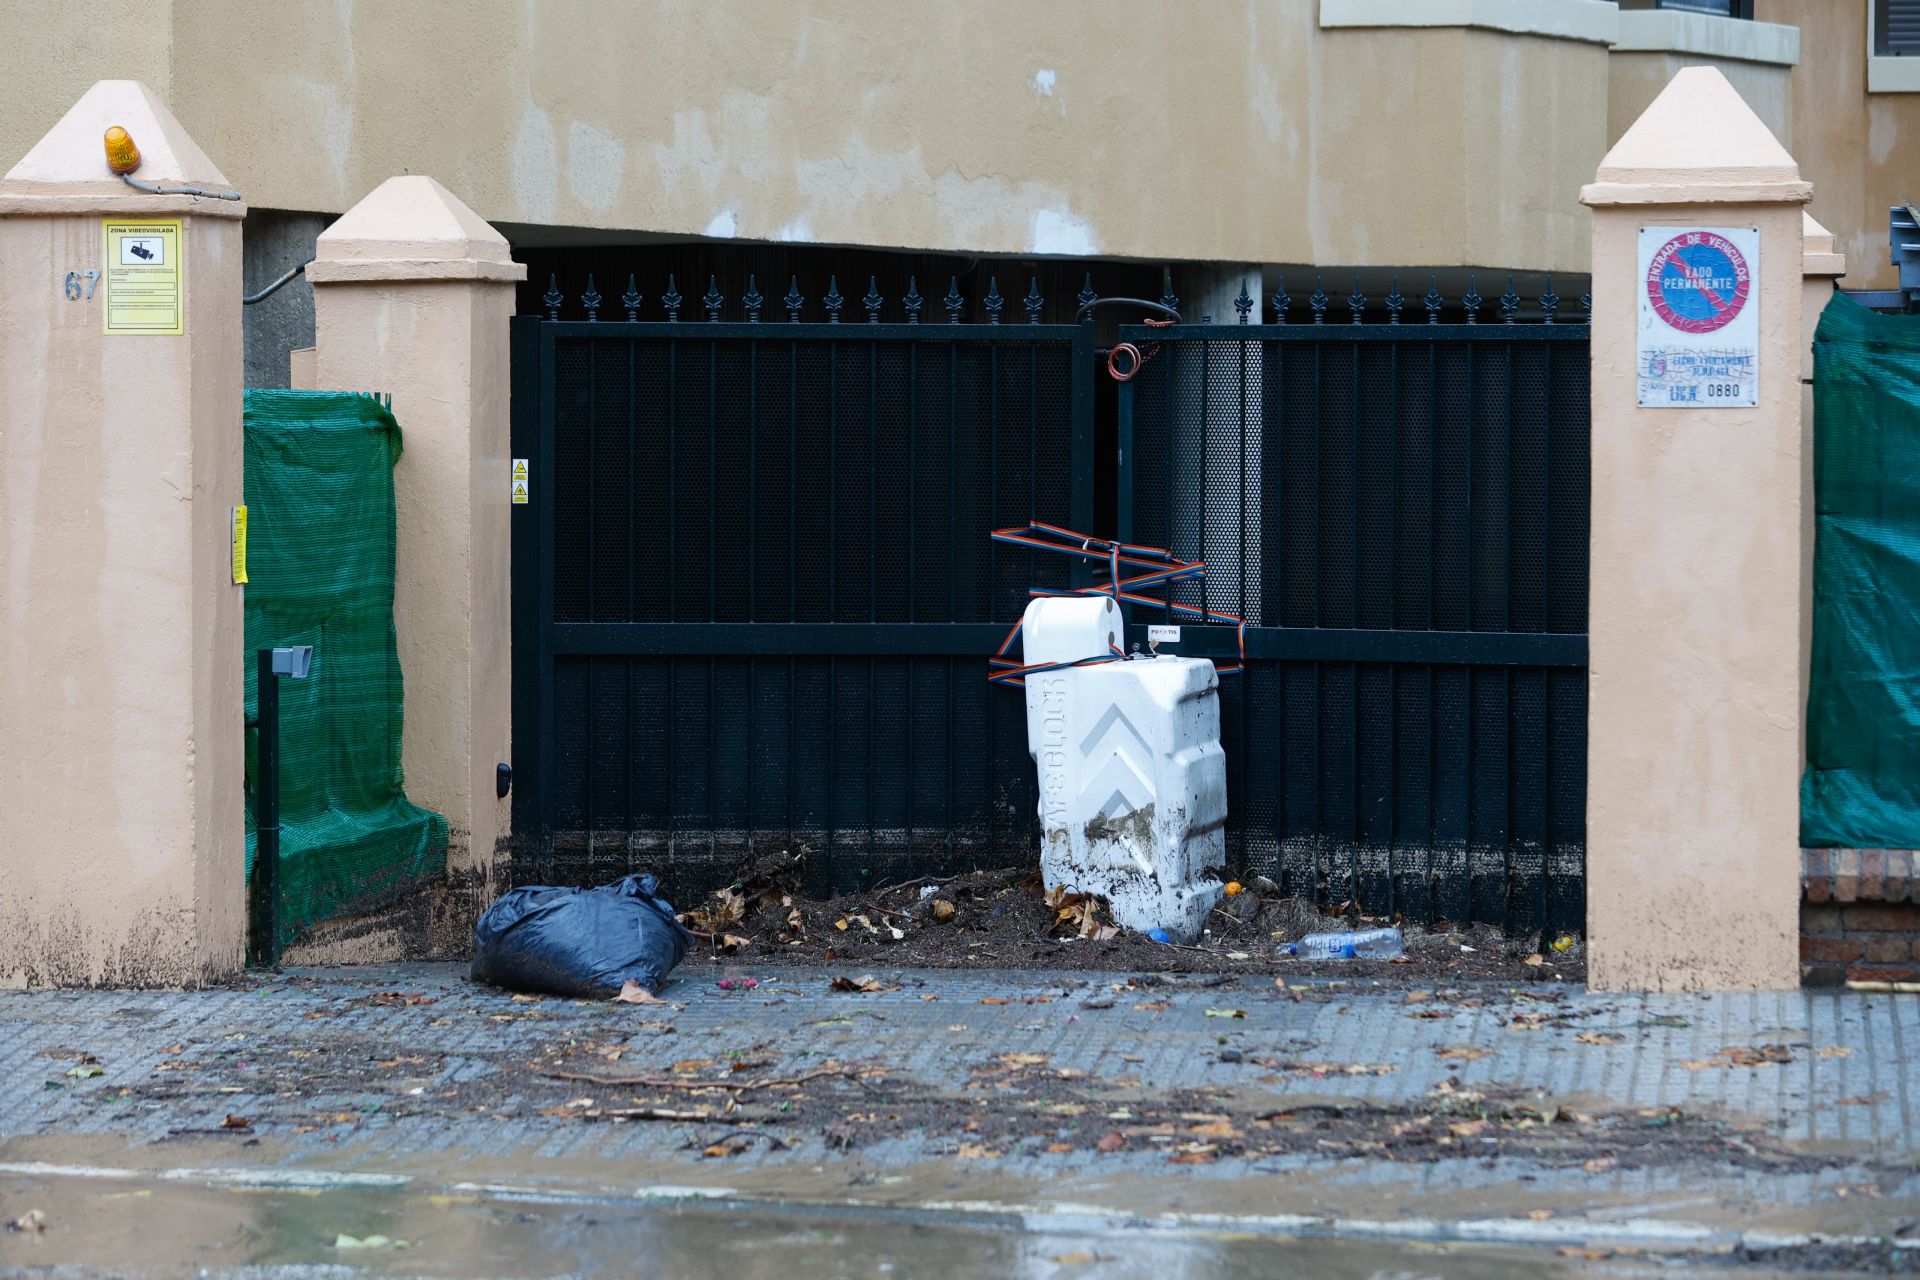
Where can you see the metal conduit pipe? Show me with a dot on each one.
(279, 283)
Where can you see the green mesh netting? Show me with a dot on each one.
(320, 514)
(1862, 786)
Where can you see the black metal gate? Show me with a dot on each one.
(754, 592)
(1399, 514)
(754, 588)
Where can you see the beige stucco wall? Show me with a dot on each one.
(1129, 129)
(1860, 150)
(1635, 79)
(412, 295)
(121, 760)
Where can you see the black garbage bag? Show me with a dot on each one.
(578, 942)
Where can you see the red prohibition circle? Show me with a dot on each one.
(1698, 282)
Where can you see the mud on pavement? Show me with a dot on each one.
(1004, 919)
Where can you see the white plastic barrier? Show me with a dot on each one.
(1133, 783)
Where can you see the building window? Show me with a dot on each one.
(1896, 28)
(1719, 8)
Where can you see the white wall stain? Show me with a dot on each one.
(799, 230)
(724, 226)
(596, 163)
(536, 166)
(1883, 130)
(1043, 81)
(1057, 232)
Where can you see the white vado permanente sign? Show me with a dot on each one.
(1699, 318)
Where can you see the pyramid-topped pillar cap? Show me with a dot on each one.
(412, 228)
(1698, 143)
(66, 171)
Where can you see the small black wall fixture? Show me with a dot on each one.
(271, 664)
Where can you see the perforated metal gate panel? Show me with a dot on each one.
(754, 594)
(1410, 733)
(763, 591)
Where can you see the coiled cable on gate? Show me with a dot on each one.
(1163, 569)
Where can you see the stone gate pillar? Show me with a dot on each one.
(412, 294)
(1693, 807)
(122, 838)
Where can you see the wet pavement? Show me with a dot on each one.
(988, 1123)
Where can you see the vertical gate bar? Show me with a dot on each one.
(713, 486)
(833, 483)
(1321, 853)
(713, 597)
(913, 577)
(543, 482)
(1246, 674)
(873, 483)
(1353, 614)
(947, 806)
(1392, 726)
(1473, 424)
(633, 575)
(993, 579)
(1433, 677)
(833, 595)
(1173, 464)
(1080, 445)
(873, 577)
(593, 431)
(953, 491)
(1546, 624)
(1506, 624)
(793, 531)
(673, 591)
(753, 539)
(793, 570)
(1206, 412)
(953, 575)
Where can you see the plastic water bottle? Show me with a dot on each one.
(1363, 944)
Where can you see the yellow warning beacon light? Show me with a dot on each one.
(122, 156)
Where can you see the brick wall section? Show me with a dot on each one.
(1859, 916)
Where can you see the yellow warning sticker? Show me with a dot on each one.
(145, 277)
(519, 490)
(239, 545)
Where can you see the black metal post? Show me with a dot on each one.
(266, 819)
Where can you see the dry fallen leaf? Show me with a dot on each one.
(632, 992)
(1468, 1128)
(996, 999)
(733, 942)
(1835, 1051)
(1599, 1164)
(1059, 1148)
(1193, 1157)
(1540, 1215)
(1111, 1143)
(236, 1122)
(1079, 1257)
(720, 1149)
(1463, 1051)
(1535, 959)
(1598, 1037)
(32, 1223)
(943, 910)
(974, 1151)
(864, 983)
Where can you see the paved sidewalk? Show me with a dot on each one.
(1793, 1111)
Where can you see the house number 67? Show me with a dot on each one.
(73, 284)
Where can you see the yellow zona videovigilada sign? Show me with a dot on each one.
(145, 273)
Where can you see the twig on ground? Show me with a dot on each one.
(670, 1082)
